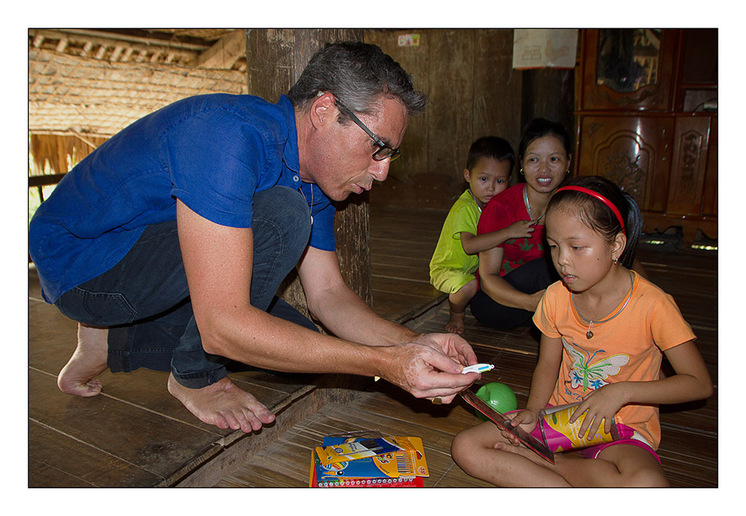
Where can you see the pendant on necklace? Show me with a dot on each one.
(589, 334)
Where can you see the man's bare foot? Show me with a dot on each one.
(456, 322)
(87, 362)
(222, 404)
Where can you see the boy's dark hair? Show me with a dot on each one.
(539, 127)
(490, 147)
(355, 73)
(598, 216)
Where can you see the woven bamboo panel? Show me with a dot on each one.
(99, 98)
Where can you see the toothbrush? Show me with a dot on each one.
(478, 368)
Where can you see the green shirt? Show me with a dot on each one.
(449, 258)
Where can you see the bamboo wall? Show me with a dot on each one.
(57, 154)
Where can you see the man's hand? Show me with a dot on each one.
(431, 365)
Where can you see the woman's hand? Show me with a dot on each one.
(534, 300)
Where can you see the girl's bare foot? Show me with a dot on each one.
(456, 322)
(520, 450)
(222, 404)
(559, 458)
(87, 362)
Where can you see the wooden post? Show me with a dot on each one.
(548, 93)
(275, 59)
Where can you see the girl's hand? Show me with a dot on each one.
(521, 229)
(599, 406)
(527, 419)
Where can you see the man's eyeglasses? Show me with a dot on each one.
(381, 154)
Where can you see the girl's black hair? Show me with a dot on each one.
(599, 217)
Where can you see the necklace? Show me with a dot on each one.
(525, 201)
(475, 201)
(589, 334)
(528, 205)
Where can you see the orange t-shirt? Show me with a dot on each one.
(626, 348)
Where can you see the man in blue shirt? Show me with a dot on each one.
(168, 243)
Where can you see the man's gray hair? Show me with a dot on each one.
(357, 74)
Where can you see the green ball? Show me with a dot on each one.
(499, 396)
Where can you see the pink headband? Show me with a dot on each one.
(601, 198)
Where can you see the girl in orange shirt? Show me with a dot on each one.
(604, 331)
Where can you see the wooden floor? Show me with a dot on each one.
(136, 434)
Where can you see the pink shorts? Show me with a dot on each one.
(592, 451)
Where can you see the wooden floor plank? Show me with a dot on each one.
(401, 307)
(391, 285)
(402, 271)
(52, 336)
(149, 440)
(59, 460)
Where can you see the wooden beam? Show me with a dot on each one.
(101, 52)
(86, 49)
(186, 52)
(100, 37)
(225, 52)
(118, 49)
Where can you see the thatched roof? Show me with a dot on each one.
(94, 83)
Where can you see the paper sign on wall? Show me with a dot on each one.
(409, 40)
(544, 48)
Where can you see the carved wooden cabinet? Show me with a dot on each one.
(646, 118)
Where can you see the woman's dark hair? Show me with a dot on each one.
(598, 216)
(539, 127)
(357, 74)
(490, 147)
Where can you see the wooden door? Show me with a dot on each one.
(691, 146)
(632, 151)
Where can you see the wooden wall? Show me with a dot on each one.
(473, 91)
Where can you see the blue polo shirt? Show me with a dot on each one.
(213, 152)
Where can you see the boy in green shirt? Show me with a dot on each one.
(455, 260)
